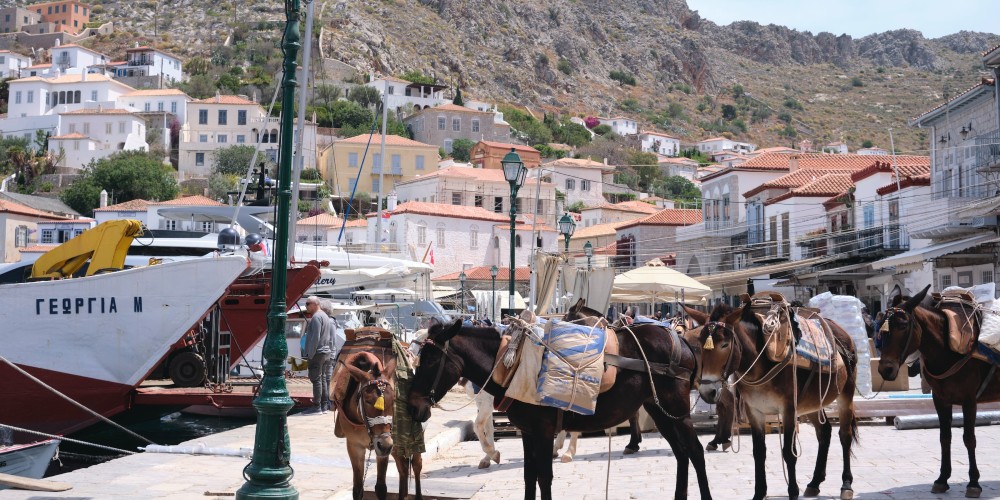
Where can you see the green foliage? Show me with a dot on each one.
(565, 66)
(706, 104)
(856, 82)
(235, 160)
(549, 152)
(196, 66)
(867, 143)
(677, 188)
(793, 103)
(228, 82)
(327, 93)
(622, 77)
(576, 207)
(417, 77)
(728, 112)
(311, 174)
(350, 114)
(220, 185)
(458, 101)
(570, 133)
(785, 116)
(697, 156)
(393, 127)
(199, 86)
(738, 91)
(630, 105)
(683, 87)
(602, 129)
(645, 166)
(788, 131)
(461, 149)
(364, 95)
(129, 174)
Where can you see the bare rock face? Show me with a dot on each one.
(897, 48)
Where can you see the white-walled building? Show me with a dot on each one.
(147, 61)
(607, 213)
(12, 64)
(405, 95)
(652, 237)
(147, 212)
(836, 148)
(19, 227)
(875, 150)
(323, 229)
(160, 107)
(620, 125)
(659, 143)
(74, 59)
(684, 167)
(36, 102)
(96, 133)
(720, 144)
(579, 179)
(460, 237)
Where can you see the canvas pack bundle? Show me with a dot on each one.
(570, 376)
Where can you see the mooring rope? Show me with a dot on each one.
(68, 440)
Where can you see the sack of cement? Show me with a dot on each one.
(570, 377)
(845, 311)
(989, 331)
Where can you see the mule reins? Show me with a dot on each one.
(440, 371)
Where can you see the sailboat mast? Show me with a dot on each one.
(300, 136)
(381, 168)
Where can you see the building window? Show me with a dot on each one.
(584, 185)
(987, 277)
(203, 138)
(207, 227)
(93, 95)
(440, 237)
(517, 241)
(86, 128)
(169, 225)
(241, 117)
(498, 204)
(421, 234)
(392, 89)
(223, 117)
(456, 198)
(147, 107)
(441, 123)
(173, 107)
(475, 125)
(159, 106)
(540, 206)
(240, 139)
(199, 159)
(420, 162)
(570, 184)
(945, 281)
(17, 97)
(223, 138)
(473, 237)
(447, 145)
(397, 165)
(479, 200)
(31, 96)
(76, 145)
(21, 236)
(519, 206)
(456, 124)
(202, 117)
(375, 185)
(376, 163)
(352, 160)
(72, 128)
(47, 235)
(107, 128)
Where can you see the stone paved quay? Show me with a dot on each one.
(322, 469)
(888, 464)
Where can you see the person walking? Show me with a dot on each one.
(336, 342)
(318, 351)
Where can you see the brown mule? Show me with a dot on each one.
(767, 388)
(364, 394)
(955, 379)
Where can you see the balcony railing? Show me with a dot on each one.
(770, 251)
(373, 248)
(890, 238)
(988, 151)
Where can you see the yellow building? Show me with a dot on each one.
(407, 159)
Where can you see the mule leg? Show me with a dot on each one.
(969, 436)
(559, 442)
(403, 469)
(824, 433)
(725, 409)
(357, 455)
(483, 427)
(381, 490)
(848, 435)
(757, 428)
(570, 450)
(417, 464)
(543, 450)
(943, 409)
(788, 451)
(531, 464)
(669, 431)
(635, 436)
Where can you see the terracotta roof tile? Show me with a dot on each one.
(636, 206)
(74, 135)
(329, 220)
(390, 140)
(225, 99)
(17, 208)
(529, 227)
(828, 184)
(196, 200)
(658, 134)
(443, 210)
(768, 161)
(919, 180)
(455, 108)
(153, 92)
(606, 229)
(481, 174)
(136, 205)
(482, 273)
(100, 111)
(918, 166)
(517, 147)
(668, 217)
(576, 163)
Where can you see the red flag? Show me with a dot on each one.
(432, 256)
(386, 214)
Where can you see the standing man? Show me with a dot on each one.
(318, 350)
(336, 342)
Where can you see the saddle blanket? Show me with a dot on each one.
(986, 353)
(814, 344)
(572, 366)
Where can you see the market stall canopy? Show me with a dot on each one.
(934, 251)
(657, 283)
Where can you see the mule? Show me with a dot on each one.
(453, 351)
(365, 400)
(767, 388)
(955, 379)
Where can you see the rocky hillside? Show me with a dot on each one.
(559, 55)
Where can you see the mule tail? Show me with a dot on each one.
(851, 359)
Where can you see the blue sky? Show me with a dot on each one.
(857, 17)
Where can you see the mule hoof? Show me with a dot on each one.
(846, 494)
(566, 458)
(630, 450)
(484, 463)
(811, 492)
(711, 447)
(727, 445)
(973, 492)
(939, 488)
(496, 456)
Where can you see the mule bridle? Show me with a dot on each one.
(446, 355)
(711, 327)
(381, 387)
(901, 315)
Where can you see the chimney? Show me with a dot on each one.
(390, 201)
(218, 96)
(83, 77)
(104, 198)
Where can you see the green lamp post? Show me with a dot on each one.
(493, 308)
(268, 475)
(461, 281)
(588, 250)
(513, 173)
(566, 227)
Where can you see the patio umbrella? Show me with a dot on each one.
(657, 283)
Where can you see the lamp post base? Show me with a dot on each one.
(251, 491)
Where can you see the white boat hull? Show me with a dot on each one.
(27, 460)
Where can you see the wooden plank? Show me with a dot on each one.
(24, 483)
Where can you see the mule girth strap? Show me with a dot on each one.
(638, 365)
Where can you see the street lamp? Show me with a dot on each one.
(513, 173)
(493, 306)
(461, 281)
(566, 228)
(588, 250)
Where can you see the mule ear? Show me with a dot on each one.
(358, 374)
(916, 299)
(448, 331)
(736, 315)
(745, 298)
(700, 317)
(377, 370)
(578, 306)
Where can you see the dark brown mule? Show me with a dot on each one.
(955, 379)
(725, 406)
(453, 351)
(766, 388)
(364, 395)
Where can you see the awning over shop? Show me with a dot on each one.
(739, 277)
(934, 251)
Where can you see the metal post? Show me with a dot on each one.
(510, 270)
(381, 168)
(300, 156)
(493, 304)
(269, 474)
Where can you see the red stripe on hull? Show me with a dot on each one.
(31, 406)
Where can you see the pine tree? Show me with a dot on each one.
(458, 98)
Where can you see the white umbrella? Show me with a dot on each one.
(657, 283)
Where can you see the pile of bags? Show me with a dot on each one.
(989, 331)
(845, 311)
